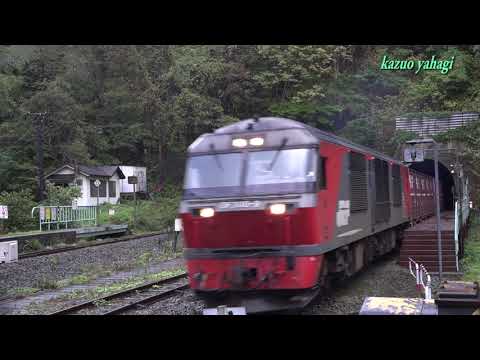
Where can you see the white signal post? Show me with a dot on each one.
(3, 215)
(134, 180)
(97, 184)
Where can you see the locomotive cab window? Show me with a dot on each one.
(321, 173)
(277, 167)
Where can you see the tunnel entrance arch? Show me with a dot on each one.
(445, 176)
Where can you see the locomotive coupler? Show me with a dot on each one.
(242, 275)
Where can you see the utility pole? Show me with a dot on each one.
(39, 120)
(437, 200)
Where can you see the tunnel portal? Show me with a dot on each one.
(445, 177)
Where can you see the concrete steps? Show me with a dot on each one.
(422, 247)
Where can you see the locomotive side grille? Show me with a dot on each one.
(397, 186)
(358, 183)
(382, 206)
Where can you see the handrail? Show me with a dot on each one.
(420, 273)
(33, 209)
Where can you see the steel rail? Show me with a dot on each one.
(120, 294)
(146, 300)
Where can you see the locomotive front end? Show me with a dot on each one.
(249, 208)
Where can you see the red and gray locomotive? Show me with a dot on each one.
(272, 209)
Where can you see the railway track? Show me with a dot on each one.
(76, 247)
(123, 301)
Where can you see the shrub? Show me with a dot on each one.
(61, 196)
(471, 260)
(33, 245)
(152, 215)
(20, 204)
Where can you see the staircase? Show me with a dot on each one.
(420, 243)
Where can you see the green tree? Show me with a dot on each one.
(60, 195)
(20, 204)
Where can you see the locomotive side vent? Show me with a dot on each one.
(358, 183)
(382, 205)
(397, 186)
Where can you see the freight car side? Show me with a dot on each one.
(422, 190)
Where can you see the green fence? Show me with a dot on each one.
(61, 217)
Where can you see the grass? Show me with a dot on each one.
(121, 285)
(134, 281)
(79, 294)
(18, 233)
(92, 272)
(22, 292)
(151, 215)
(471, 260)
(47, 284)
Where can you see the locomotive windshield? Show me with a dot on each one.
(263, 172)
(210, 171)
(289, 166)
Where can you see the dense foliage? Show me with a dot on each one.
(20, 204)
(143, 104)
(61, 196)
(155, 215)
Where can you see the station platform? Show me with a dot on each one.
(65, 235)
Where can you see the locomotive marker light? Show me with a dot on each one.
(256, 141)
(207, 212)
(278, 209)
(412, 144)
(239, 142)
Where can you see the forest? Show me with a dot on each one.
(144, 104)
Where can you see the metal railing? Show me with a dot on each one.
(457, 232)
(419, 275)
(58, 216)
(428, 126)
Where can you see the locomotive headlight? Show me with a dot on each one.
(207, 212)
(256, 141)
(239, 142)
(278, 209)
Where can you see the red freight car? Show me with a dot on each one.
(272, 209)
(422, 189)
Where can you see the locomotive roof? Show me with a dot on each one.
(277, 123)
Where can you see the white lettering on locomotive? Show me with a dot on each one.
(240, 205)
(343, 212)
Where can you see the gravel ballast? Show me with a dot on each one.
(183, 303)
(32, 272)
(383, 278)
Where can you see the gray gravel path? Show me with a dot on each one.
(33, 272)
